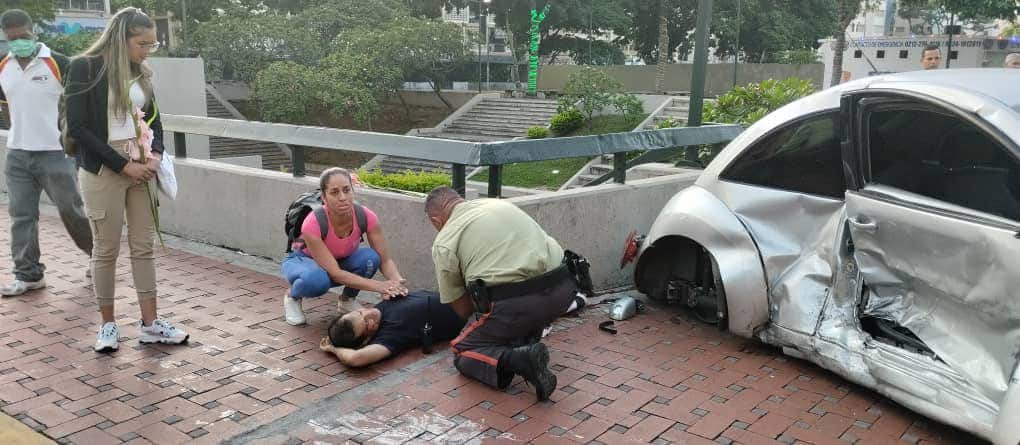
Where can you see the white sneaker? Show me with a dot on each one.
(292, 310)
(19, 287)
(346, 306)
(162, 331)
(106, 340)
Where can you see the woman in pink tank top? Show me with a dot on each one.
(319, 263)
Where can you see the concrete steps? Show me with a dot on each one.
(273, 157)
(678, 111)
(492, 119)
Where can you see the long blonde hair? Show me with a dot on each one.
(112, 46)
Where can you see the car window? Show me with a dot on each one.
(943, 157)
(802, 157)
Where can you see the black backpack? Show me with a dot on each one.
(312, 202)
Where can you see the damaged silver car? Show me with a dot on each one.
(874, 229)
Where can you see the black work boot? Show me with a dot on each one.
(532, 363)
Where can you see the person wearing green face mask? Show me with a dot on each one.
(30, 89)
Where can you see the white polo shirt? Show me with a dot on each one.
(32, 95)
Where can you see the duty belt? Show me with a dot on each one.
(483, 296)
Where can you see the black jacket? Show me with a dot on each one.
(88, 116)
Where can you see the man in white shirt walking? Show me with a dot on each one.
(30, 90)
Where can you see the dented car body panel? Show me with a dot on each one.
(874, 229)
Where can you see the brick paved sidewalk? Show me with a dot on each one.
(248, 377)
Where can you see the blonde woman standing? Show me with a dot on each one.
(109, 99)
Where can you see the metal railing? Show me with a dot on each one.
(656, 145)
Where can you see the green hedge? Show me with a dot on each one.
(566, 121)
(421, 182)
(538, 132)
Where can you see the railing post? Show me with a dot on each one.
(180, 145)
(298, 160)
(495, 181)
(620, 167)
(460, 179)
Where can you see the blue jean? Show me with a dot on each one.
(308, 279)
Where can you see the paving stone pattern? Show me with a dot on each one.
(248, 377)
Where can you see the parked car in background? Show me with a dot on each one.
(874, 229)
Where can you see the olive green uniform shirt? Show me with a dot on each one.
(493, 240)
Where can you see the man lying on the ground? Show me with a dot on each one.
(369, 335)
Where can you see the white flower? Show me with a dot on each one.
(556, 172)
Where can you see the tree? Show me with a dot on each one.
(644, 34)
(344, 83)
(241, 46)
(329, 19)
(198, 11)
(287, 91)
(41, 10)
(965, 10)
(770, 28)
(418, 47)
(846, 11)
(70, 44)
(662, 59)
(910, 13)
(589, 90)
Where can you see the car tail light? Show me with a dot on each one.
(630, 248)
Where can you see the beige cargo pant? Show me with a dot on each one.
(109, 198)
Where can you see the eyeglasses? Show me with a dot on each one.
(151, 47)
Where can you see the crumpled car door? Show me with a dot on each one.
(951, 281)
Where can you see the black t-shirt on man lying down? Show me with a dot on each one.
(404, 318)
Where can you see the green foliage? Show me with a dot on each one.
(357, 83)
(553, 173)
(798, 57)
(538, 132)
(198, 11)
(419, 48)
(607, 124)
(342, 84)
(1011, 30)
(628, 105)
(245, 40)
(968, 10)
(566, 121)
(286, 92)
(669, 123)
(773, 30)
(547, 175)
(69, 44)
(421, 182)
(643, 34)
(240, 46)
(747, 104)
(40, 10)
(327, 19)
(589, 89)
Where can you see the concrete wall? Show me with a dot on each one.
(719, 78)
(242, 208)
(246, 214)
(180, 89)
(595, 221)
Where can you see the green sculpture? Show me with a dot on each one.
(536, 19)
